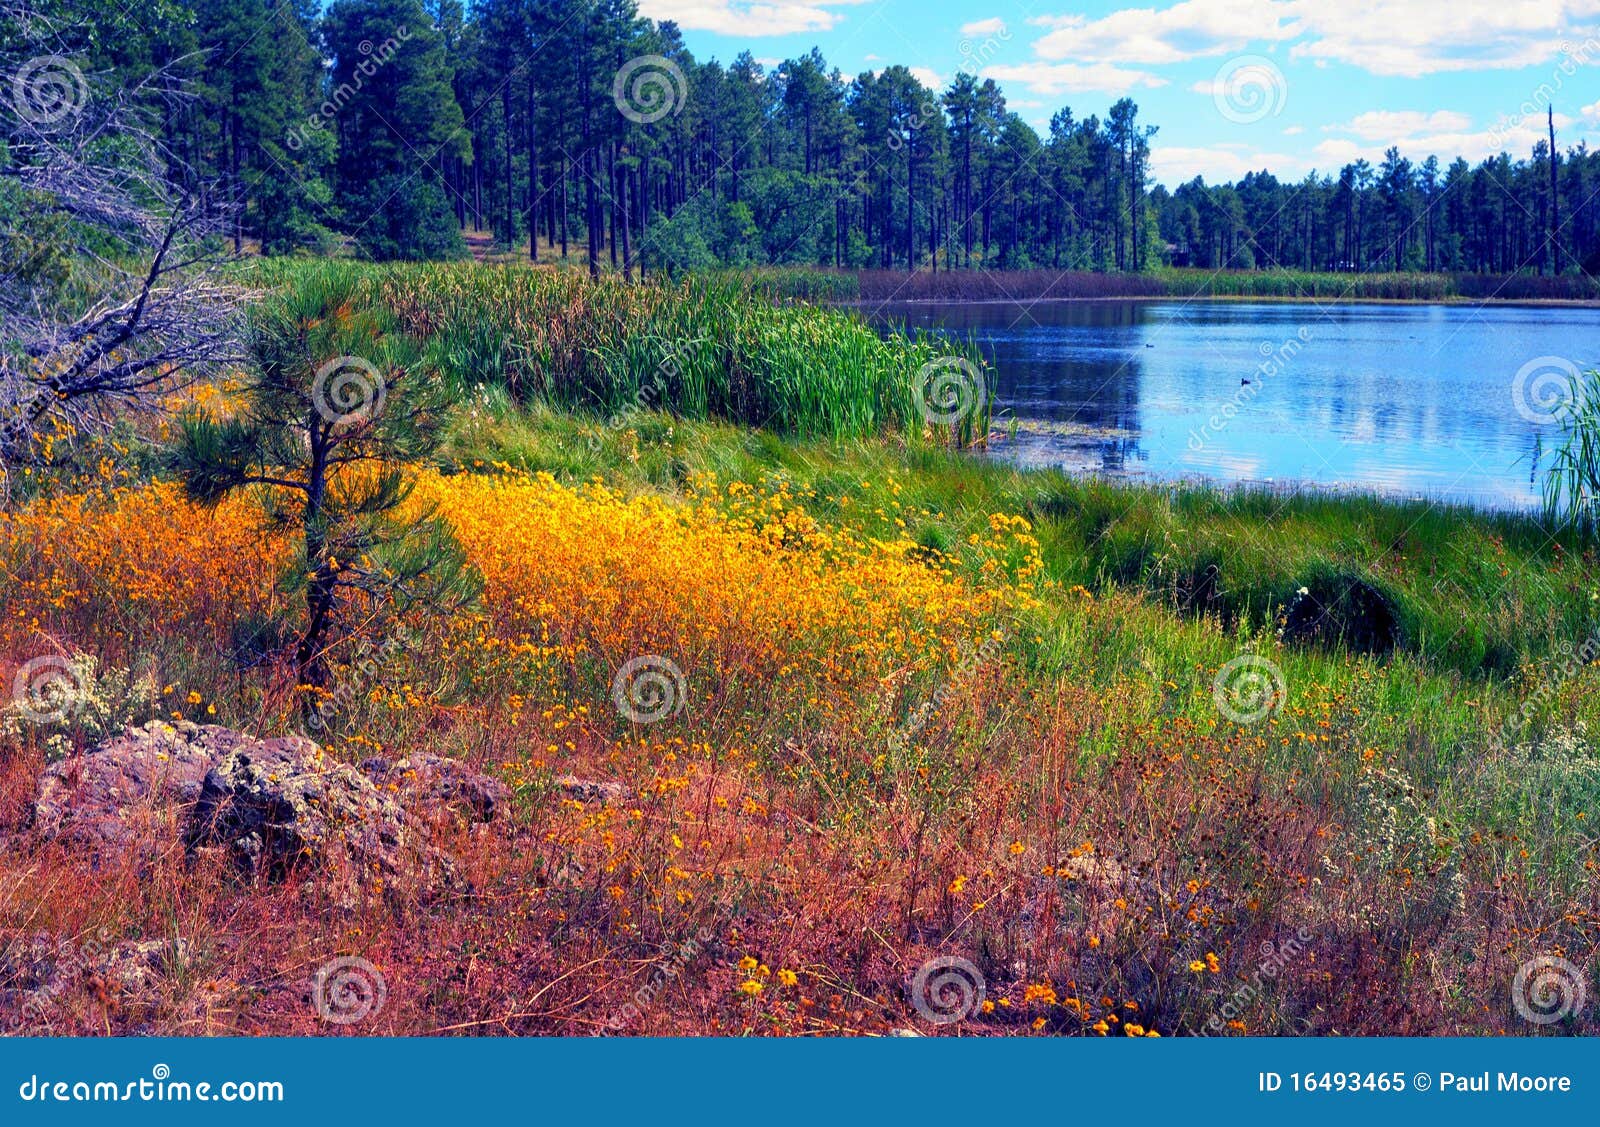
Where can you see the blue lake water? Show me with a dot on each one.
(1452, 402)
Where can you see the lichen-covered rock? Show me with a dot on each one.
(281, 807)
(128, 789)
(431, 784)
(134, 966)
(40, 976)
(271, 808)
(591, 790)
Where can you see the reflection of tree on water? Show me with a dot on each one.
(1407, 400)
(1075, 387)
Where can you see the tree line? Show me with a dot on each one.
(1500, 216)
(577, 129)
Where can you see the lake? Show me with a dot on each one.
(1453, 402)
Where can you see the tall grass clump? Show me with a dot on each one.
(701, 347)
(1572, 484)
(797, 283)
(1182, 282)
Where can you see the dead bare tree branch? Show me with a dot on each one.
(113, 291)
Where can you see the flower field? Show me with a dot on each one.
(741, 588)
(790, 802)
(803, 736)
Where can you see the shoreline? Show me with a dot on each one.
(995, 451)
(1277, 487)
(1276, 299)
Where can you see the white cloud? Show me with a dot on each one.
(1052, 79)
(1591, 113)
(928, 77)
(1388, 37)
(994, 25)
(1293, 130)
(1417, 136)
(1418, 37)
(1515, 137)
(1175, 164)
(1188, 30)
(742, 18)
(1378, 125)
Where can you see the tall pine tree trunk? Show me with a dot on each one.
(610, 202)
(911, 201)
(1555, 206)
(533, 178)
(621, 181)
(511, 192)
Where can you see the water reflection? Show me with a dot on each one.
(1411, 400)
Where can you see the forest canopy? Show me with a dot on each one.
(576, 128)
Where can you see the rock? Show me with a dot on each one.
(281, 807)
(127, 787)
(1104, 873)
(133, 966)
(270, 807)
(41, 976)
(591, 790)
(424, 780)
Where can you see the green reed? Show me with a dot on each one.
(715, 346)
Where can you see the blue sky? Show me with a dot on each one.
(1235, 85)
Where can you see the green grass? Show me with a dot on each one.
(1481, 595)
(1478, 609)
(564, 370)
(1376, 285)
(798, 283)
(705, 347)
(1167, 282)
(1486, 605)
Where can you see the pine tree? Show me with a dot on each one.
(337, 405)
(257, 87)
(398, 122)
